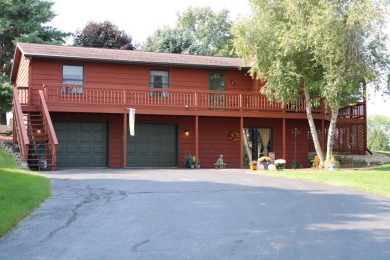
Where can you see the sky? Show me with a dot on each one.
(141, 18)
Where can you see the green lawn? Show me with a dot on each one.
(375, 180)
(20, 192)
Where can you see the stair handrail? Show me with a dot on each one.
(49, 128)
(21, 130)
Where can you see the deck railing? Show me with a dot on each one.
(172, 99)
(20, 129)
(49, 129)
(356, 110)
(23, 95)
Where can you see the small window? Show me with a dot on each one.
(159, 79)
(72, 75)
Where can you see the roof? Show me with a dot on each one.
(64, 52)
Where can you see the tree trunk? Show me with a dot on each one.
(332, 127)
(246, 144)
(312, 126)
(3, 118)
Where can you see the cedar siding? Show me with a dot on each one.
(23, 73)
(116, 80)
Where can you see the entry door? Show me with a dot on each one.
(257, 142)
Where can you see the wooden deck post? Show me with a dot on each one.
(241, 142)
(284, 138)
(196, 141)
(124, 145)
(323, 134)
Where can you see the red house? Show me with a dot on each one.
(71, 109)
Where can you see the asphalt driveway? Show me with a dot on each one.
(199, 214)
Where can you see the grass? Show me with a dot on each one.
(374, 180)
(384, 153)
(21, 192)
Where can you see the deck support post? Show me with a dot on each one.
(241, 142)
(323, 134)
(284, 138)
(124, 145)
(196, 141)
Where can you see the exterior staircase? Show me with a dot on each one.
(40, 154)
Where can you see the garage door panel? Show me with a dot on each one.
(85, 160)
(71, 148)
(70, 159)
(131, 148)
(85, 148)
(86, 127)
(71, 136)
(81, 144)
(98, 138)
(141, 148)
(85, 137)
(69, 127)
(99, 149)
(154, 145)
(165, 149)
(154, 149)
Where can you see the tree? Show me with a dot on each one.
(23, 21)
(5, 99)
(173, 40)
(210, 29)
(378, 133)
(103, 35)
(314, 47)
(198, 31)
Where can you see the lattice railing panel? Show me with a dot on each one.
(348, 138)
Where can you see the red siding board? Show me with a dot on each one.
(22, 77)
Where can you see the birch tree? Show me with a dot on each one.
(315, 47)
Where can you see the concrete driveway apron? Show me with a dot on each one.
(199, 214)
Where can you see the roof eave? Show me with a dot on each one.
(102, 60)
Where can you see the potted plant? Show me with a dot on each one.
(332, 162)
(264, 161)
(279, 163)
(253, 165)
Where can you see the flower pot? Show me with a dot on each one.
(260, 166)
(252, 167)
(332, 166)
(265, 165)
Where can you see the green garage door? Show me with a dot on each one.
(154, 145)
(81, 144)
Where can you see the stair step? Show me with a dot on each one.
(39, 149)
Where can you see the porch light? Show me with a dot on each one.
(38, 131)
(232, 81)
(186, 133)
(186, 107)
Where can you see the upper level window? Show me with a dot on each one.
(216, 81)
(159, 79)
(72, 75)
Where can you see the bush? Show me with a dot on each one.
(295, 165)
